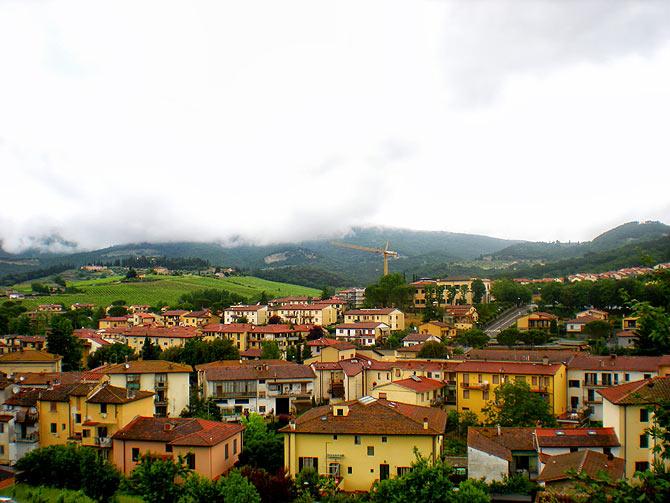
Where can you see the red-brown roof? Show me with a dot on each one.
(420, 384)
(256, 369)
(541, 315)
(647, 391)
(380, 311)
(177, 332)
(522, 355)
(29, 356)
(519, 368)
(370, 416)
(143, 367)
(178, 431)
(175, 312)
(116, 318)
(576, 437)
(501, 442)
(361, 325)
(589, 462)
(614, 362)
(248, 308)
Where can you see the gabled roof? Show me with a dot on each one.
(46, 378)
(324, 342)
(178, 431)
(437, 323)
(362, 325)
(522, 355)
(379, 311)
(519, 368)
(418, 384)
(29, 356)
(590, 462)
(178, 332)
(576, 437)
(112, 394)
(647, 391)
(501, 442)
(143, 367)
(414, 337)
(369, 416)
(95, 393)
(252, 370)
(175, 312)
(614, 362)
(541, 315)
(249, 308)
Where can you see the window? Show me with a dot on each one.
(308, 463)
(2, 427)
(86, 433)
(168, 448)
(2, 449)
(626, 377)
(190, 460)
(573, 383)
(225, 452)
(261, 409)
(77, 418)
(485, 394)
(644, 441)
(402, 470)
(647, 376)
(103, 408)
(334, 469)
(644, 415)
(54, 428)
(334, 437)
(641, 466)
(135, 454)
(496, 380)
(52, 406)
(340, 412)
(62, 426)
(357, 439)
(385, 440)
(234, 446)
(350, 470)
(466, 393)
(371, 450)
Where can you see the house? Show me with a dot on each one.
(359, 442)
(494, 453)
(555, 441)
(264, 386)
(286, 301)
(254, 314)
(629, 323)
(626, 408)
(142, 318)
(461, 317)
(199, 318)
(576, 325)
(209, 448)
(625, 338)
(139, 308)
(347, 378)
(589, 373)
(363, 333)
(550, 355)
(556, 472)
(115, 322)
(336, 303)
(77, 306)
(29, 360)
(302, 314)
(88, 413)
(477, 381)
(414, 390)
(318, 349)
(419, 338)
(390, 316)
(50, 308)
(234, 332)
(447, 291)
(352, 297)
(438, 329)
(536, 321)
(22, 430)
(593, 313)
(161, 336)
(248, 336)
(167, 380)
(174, 317)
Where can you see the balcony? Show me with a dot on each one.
(539, 388)
(103, 442)
(162, 385)
(595, 400)
(234, 394)
(30, 438)
(594, 383)
(475, 385)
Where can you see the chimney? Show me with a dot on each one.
(613, 356)
(545, 360)
(498, 430)
(602, 363)
(425, 423)
(610, 456)
(292, 425)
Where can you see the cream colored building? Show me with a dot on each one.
(390, 316)
(255, 314)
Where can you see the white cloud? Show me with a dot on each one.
(268, 121)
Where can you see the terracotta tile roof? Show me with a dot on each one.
(381, 311)
(324, 342)
(247, 308)
(31, 338)
(626, 333)
(647, 391)
(178, 431)
(112, 394)
(519, 368)
(576, 437)
(414, 337)
(590, 462)
(541, 315)
(459, 310)
(116, 318)
(522, 355)
(24, 398)
(95, 393)
(175, 312)
(370, 416)
(161, 331)
(29, 355)
(420, 384)
(226, 328)
(583, 320)
(428, 366)
(510, 439)
(361, 325)
(46, 378)
(143, 367)
(414, 348)
(300, 307)
(63, 392)
(440, 324)
(251, 353)
(255, 369)
(204, 313)
(614, 362)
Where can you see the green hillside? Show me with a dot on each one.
(166, 289)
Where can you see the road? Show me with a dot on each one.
(506, 321)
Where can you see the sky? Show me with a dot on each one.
(265, 121)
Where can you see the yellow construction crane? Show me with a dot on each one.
(384, 252)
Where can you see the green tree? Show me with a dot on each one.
(197, 489)
(263, 448)
(551, 293)
(234, 488)
(327, 292)
(117, 311)
(60, 281)
(474, 338)
(306, 353)
(131, 274)
(534, 337)
(155, 479)
(202, 408)
(653, 332)
(516, 405)
(598, 329)
(21, 325)
(242, 319)
(478, 291)
(114, 353)
(60, 341)
(509, 337)
(150, 351)
(292, 353)
(197, 351)
(433, 349)
(270, 351)
(508, 291)
(390, 291)
(275, 319)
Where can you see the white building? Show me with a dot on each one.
(255, 314)
(365, 333)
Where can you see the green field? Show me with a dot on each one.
(168, 289)
(26, 494)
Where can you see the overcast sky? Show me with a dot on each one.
(130, 121)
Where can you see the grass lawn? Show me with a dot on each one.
(22, 492)
(168, 289)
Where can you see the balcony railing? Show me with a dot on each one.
(30, 438)
(594, 383)
(539, 388)
(475, 385)
(103, 441)
(234, 394)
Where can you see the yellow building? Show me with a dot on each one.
(629, 323)
(114, 322)
(394, 318)
(174, 317)
(447, 291)
(362, 441)
(29, 360)
(164, 337)
(199, 318)
(536, 321)
(625, 408)
(478, 380)
(438, 329)
(302, 314)
(88, 413)
(415, 390)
